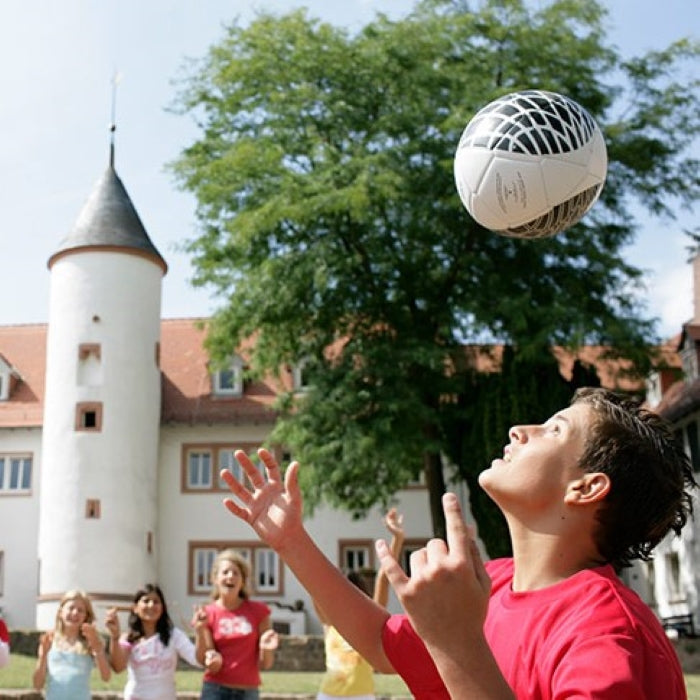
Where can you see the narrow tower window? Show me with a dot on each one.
(88, 417)
(89, 364)
(92, 508)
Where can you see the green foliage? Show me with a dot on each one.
(490, 403)
(329, 219)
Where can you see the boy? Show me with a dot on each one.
(597, 485)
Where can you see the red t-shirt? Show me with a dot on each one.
(236, 634)
(586, 637)
(4, 634)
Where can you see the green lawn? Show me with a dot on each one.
(18, 674)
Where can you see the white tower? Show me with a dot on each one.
(102, 407)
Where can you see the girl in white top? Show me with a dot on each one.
(150, 649)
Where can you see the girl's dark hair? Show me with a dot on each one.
(164, 626)
(358, 580)
(651, 477)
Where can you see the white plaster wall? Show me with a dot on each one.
(112, 299)
(186, 517)
(19, 518)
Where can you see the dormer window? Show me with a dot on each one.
(300, 376)
(228, 381)
(6, 374)
(689, 358)
(653, 388)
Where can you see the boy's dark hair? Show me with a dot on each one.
(164, 626)
(650, 474)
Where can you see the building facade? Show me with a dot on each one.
(673, 577)
(114, 427)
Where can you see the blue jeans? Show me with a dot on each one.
(213, 691)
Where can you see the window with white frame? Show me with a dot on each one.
(265, 566)
(653, 388)
(673, 576)
(266, 570)
(5, 371)
(15, 473)
(199, 469)
(202, 560)
(689, 358)
(356, 555)
(300, 376)
(228, 381)
(228, 461)
(202, 464)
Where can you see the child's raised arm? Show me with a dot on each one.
(273, 508)
(394, 523)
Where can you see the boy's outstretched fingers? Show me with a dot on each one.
(460, 538)
(271, 466)
(456, 530)
(233, 507)
(254, 476)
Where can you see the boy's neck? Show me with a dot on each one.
(541, 559)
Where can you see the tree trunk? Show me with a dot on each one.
(435, 481)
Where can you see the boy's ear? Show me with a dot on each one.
(590, 488)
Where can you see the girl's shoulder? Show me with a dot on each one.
(177, 633)
(257, 607)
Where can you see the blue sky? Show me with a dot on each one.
(57, 59)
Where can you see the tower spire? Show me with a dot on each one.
(116, 79)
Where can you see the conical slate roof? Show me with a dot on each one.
(109, 220)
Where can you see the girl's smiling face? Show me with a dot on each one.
(149, 607)
(229, 579)
(73, 613)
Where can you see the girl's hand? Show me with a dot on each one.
(213, 661)
(269, 640)
(394, 523)
(112, 623)
(199, 618)
(92, 635)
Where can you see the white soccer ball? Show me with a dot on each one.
(530, 164)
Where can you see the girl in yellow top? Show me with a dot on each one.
(348, 675)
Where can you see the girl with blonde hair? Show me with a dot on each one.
(234, 635)
(68, 653)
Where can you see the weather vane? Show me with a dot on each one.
(116, 79)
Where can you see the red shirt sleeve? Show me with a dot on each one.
(412, 661)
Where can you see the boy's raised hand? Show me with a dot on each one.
(447, 592)
(446, 599)
(273, 508)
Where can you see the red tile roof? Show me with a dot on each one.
(24, 349)
(186, 382)
(186, 388)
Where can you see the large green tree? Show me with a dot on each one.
(329, 220)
